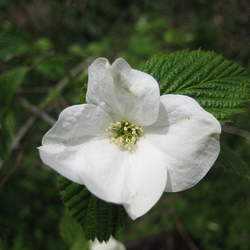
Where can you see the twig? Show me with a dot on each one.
(12, 170)
(84, 5)
(40, 60)
(236, 131)
(34, 90)
(184, 234)
(51, 97)
(161, 240)
(63, 83)
(36, 111)
(22, 132)
(180, 227)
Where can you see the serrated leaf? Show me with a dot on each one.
(219, 85)
(231, 161)
(9, 83)
(98, 219)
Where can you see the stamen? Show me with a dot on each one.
(124, 134)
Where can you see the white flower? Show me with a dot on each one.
(128, 144)
(111, 244)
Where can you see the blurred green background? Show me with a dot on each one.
(45, 48)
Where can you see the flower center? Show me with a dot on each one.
(124, 134)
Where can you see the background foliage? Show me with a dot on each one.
(45, 47)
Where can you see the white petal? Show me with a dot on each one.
(98, 164)
(100, 82)
(106, 173)
(130, 94)
(76, 124)
(136, 180)
(111, 244)
(146, 180)
(66, 160)
(189, 136)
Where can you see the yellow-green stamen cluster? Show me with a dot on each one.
(124, 134)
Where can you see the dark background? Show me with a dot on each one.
(45, 48)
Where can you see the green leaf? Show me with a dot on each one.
(2, 245)
(219, 85)
(72, 233)
(55, 66)
(9, 83)
(232, 162)
(7, 131)
(98, 219)
(12, 45)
